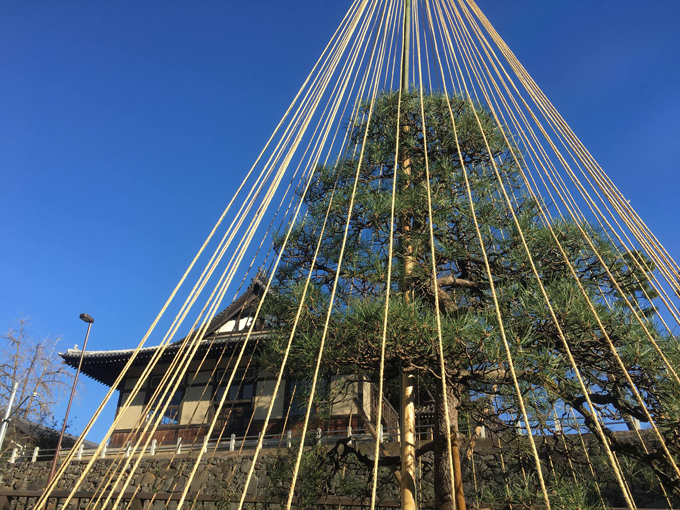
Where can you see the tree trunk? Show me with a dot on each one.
(444, 490)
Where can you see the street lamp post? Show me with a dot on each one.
(8, 413)
(85, 318)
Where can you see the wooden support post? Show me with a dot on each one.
(408, 443)
(408, 415)
(458, 473)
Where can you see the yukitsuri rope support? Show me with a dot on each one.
(342, 88)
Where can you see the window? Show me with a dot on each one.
(171, 413)
(242, 387)
(303, 390)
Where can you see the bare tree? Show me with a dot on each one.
(34, 364)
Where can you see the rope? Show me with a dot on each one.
(543, 149)
(440, 343)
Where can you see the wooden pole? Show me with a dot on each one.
(406, 47)
(457, 472)
(408, 387)
(408, 442)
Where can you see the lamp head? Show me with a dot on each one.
(86, 318)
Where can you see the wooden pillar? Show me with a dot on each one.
(408, 442)
(408, 382)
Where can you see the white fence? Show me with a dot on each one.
(285, 440)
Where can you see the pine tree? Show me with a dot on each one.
(480, 389)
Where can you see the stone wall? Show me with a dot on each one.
(223, 476)
(154, 474)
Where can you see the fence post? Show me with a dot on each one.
(154, 445)
(80, 451)
(232, 442)
(289, 439)
(35, 454)
(103, 453)
(482, 432)
(205, 444)
(13, 458)
(381, 434)
(636, 424)
(349, 431)
(318, 436)
(179, 445)
(128, 449)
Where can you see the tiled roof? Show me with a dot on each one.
(105, 366)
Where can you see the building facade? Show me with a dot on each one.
(195, 401)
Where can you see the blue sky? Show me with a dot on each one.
(124, 127)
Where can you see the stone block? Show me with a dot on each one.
(147, 481)
(167, 483)
(200, 481)
(245, 465)
(253, 486)
(181, 483)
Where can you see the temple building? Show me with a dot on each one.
(195, 403)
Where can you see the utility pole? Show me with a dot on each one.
(8, 412)
(408, 387)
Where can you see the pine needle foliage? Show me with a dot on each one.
(480, 386)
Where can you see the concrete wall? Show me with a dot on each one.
(264, 391)
(343, 393)
(129, 418)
